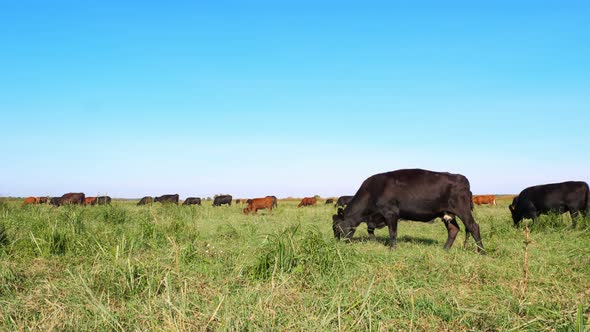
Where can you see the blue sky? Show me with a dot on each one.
(289, 98)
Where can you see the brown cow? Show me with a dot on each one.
(306, 201)
(484, 199)
(72, 198)
(259, 204)
(90, 201)
(31, 200)
(43, 200)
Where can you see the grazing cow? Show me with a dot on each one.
(72, 198)
(103, 200)
(329, 201)
(571, 196)
(307, 201)
(222, 199)
(238, 201)
(192, 201)
(54, 201)
(411, 194)
(343, 201)
(31, 200)
(171, 198)
(146, 200)
(43, 200)
(259, 204)
(90, 201)
(274, 201)
(484, 199)
(247, 201)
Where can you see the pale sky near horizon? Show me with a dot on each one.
(291, 98)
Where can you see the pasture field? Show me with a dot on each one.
(169, 268)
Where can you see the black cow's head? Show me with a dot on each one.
(341, 226)
(514, 211)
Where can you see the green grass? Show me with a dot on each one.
(123, 267)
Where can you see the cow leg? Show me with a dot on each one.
(391, 220)
(371, 231)
(452, 229)
(574, 214)
(473, 228)
(466, 239)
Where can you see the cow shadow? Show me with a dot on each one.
(405, 238)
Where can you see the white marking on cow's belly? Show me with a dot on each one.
(448, 217)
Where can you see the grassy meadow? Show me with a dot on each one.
(169, 268)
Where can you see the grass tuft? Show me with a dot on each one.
(3, 236)
(308, 253)
(112, 214)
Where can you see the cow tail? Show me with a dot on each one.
(471, 199)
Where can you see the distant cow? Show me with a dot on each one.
(308, 201)
(103, 200)
(90, 200)
(43, 200)
(411, 194)
(171, 198)
(571, 196)
(238, 201)
(484, 199)
(259, 204)
(54, 201)
(146, 200)
(343, 201)
(274, 201)
(192, 201)
(72, 198)
(222, 199)
(329, 201)
(31, 200)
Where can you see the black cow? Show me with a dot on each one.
(72, 198)
(412, 194)
(238, 201)
(54, 201)
(571, 196)
(329, 201)
(146, 200)
(274, 201)
(171, 198)
(192, 201)
(343, 201)
(103, 200)
(222, 199)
